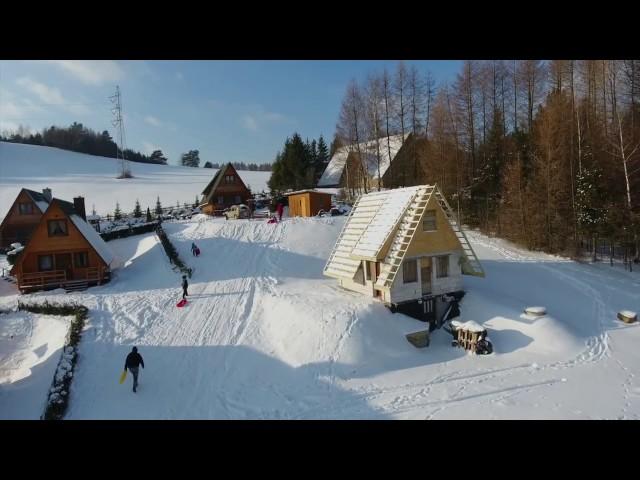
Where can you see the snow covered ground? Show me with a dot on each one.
(265, 335)
(70, 174)
(30, 347)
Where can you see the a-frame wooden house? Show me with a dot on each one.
(404, 247)
(225, 189)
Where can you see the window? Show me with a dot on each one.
(25, 208)
(228, 178)
(359, 277)
(410, 271)
(443, 266)
(57, 228)
(45, 263)
(429, 221)
(220, 200)
(81, 259)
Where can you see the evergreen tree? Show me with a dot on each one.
(158, 157)
(137, 212)
(190, 159)
(158, 210)
(208, 165)
(117, 214)
(149, 219)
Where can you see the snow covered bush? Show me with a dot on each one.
(58, 400)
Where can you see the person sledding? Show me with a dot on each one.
(132, 363)
(195, 251)
(279, 210)
(185, 285)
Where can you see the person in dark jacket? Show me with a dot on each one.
(193, 249)
(133, 362)
(185, 285)
(279, 210)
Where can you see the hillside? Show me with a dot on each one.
(70, 174)
(266, 336)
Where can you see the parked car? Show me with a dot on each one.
(237, 211)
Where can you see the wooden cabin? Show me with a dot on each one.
(64, 251)
(405, 248)
(224, 190)
(23, 217)
(307, 203)
(349, 165)
(410, 165)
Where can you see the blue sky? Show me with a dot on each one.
(229, 110)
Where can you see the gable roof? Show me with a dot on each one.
(217, 178)
(332, 174)
(86, 230)
(373, 219)
(38, 198)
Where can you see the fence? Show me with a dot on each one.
(607, 250)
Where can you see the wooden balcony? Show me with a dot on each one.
(59, 279)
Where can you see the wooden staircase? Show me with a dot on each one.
(470, 264)
(406, 231)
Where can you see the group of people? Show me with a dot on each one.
(134, 360)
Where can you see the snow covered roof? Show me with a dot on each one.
(93, 217)
(373, 219)
(389, 148)
(96, 241)
(470, 326)
(309, 190)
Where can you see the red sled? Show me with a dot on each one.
(197, 252)
(181, 303)
(272, 220)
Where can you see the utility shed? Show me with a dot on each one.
(307, 203)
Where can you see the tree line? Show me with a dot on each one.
(252, 167)
(78, 138)
(542, 153)
(299, 164)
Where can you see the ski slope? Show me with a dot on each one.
(266, 336)
(71, 174)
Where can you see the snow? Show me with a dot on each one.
(628, 313)
(535, 310)
(30, 347)
(96, 241)
(42, 205)
(469, 325)
(71, 174)
(265, 336)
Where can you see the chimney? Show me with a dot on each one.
(78, 206)
(46, 193)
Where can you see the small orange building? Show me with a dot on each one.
(307, 203)
(224, 190)
(64, 251)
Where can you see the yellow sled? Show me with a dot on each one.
(123, 376)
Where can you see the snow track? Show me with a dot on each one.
(265, 335)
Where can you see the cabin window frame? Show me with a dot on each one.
(60, 221)
(85, 255)
(51, 266)
(407, 274)
(442, 266)
(431, 217)
(25, 205)
(229, 178)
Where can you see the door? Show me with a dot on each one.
(63, 262)
(425, 274)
